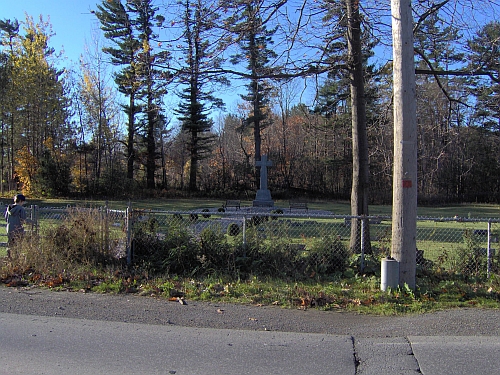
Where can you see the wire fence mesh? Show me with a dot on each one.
(276, 242)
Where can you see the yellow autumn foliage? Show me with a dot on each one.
(26, 167)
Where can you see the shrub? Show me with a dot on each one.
(216, 255)
(471, 258)
(277, 211)
(233, 229)
(257, 220)
(277, 258)
(327, 256)
(206, 216)
(175, 252)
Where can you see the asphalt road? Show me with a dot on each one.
(45, 332)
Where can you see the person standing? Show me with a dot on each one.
(15, 215)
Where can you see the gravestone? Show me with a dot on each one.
(263, 196)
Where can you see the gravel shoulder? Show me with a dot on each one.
(139, 309)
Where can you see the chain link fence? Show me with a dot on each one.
(102, 229)
(276, 241)
(448, 245)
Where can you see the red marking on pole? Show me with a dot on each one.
(407, 184)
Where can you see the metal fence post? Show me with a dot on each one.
(106, 228)
(244, 233)
(488, 250)
(34, 219)
(362, 263)
(128, 228)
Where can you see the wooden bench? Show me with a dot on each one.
(298, 205)
(233, 203)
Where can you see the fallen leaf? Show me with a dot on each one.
(317, 302)
(305, 301)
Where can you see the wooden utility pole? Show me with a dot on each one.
(404, 200)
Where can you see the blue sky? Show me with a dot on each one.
(71, 21)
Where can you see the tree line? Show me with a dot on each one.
(143, 112)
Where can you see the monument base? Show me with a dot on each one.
(263, 199)
(263, 203)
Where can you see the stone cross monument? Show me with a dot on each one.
(263, 197)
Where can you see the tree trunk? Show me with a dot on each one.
(130, 138)
(193, 170)
(151, 142)
(360, 168)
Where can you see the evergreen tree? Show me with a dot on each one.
(153, 79)
(196, 99)
(484, 56)
(119, 28)
(349, 66)
(9, 33)
(255, 41)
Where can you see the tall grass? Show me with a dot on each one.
(78, 243)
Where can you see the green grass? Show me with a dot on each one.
(358, 294)
(337, 207)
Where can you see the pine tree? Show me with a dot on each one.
(9, 32)
(196, 99)
(118, 27)
(349, 68)
(484, 56)
(254, 40)
(153, 78)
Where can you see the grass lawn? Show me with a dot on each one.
(338, 208)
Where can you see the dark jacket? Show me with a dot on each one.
(15, 215)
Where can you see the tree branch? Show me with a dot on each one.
(431, 10)
(433, 72)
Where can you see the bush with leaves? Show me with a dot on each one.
(327, 256)
(278, 258)
(471, 259)
(233, 229)
(276, 212)
(175, 251)
(216, 254)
